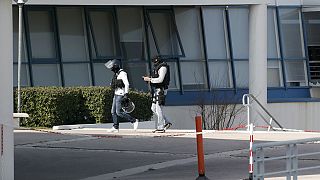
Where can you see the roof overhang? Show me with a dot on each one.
(311, 9)
(144, 2)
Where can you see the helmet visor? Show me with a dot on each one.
(111, 63)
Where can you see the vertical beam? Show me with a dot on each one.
(258, 55)
(6, 97)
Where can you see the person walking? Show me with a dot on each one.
(120, 86)
(159, 81)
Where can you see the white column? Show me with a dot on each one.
(258, 55)
(6, 99)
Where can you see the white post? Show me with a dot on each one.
(250, 152)
(6, 96)
(19, 57)
(258, 56)
(248, 112)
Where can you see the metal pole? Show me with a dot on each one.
(200, 146)
(251, 153)
(19, 56)
(248, 113)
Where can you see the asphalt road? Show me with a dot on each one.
(135, 156)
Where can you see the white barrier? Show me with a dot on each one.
(16, 118)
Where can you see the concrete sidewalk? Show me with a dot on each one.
(145, 130)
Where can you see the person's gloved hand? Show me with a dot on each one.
(125, 100)
(125, 96)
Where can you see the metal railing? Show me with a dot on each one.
(291, 157)
(247, 100)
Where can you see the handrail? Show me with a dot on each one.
(247, 97)
(291, 158)
(283, 143)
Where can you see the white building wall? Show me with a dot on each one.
(6, 100)
(302, 116)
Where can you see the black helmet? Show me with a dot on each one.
(113, 64)
(127, 105)
(156, 60)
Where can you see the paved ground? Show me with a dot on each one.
(94, 154)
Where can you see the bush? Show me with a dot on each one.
(50, 106)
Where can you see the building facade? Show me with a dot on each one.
(225, 48)
(208, 46)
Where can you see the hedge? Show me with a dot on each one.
(51, 106)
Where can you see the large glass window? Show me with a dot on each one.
(131, 31)
(42, 36)
(312, 21)
(295, 73)
(43, 47)
(174, 76)
(239, 29)
(163, 35)
(215, 30)
(193, 64)
(273, 38)
(104, 42)
(164, 40)
(292, 46)
(74, 52)
(274, 64)
(24, 75)
(291, 33)
(46, 75)
(103, 34)
(242, 73)
(68, 45)
(274, 73)
(102, 75)
(239, 32)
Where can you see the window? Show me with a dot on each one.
(312, 21)
(74, 52)
(104, 42)
(43, 47)
(274, 73)
(292, 46)
(42, 35)
(239, 29)
(216, 36)
(291, 33)
(164, 40)
(102, 75)
(274, 64)
(239, 32)
(103, 34)
(131, 31)
(46, 75)
(295, 73)
(273, 38)
(163, 34)
(193, 66)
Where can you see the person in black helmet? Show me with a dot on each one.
(120, 85)
(159, 81)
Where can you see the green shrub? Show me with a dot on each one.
(50, 106)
